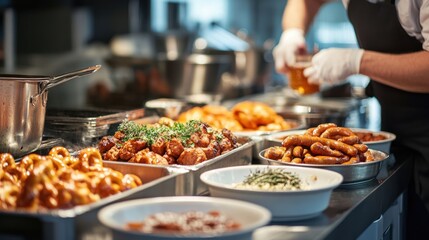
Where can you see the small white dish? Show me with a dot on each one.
(284, 205)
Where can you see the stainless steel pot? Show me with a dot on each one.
(22, 109)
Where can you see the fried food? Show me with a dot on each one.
(167, 142)
(215, 116)
(244, 116)
(59, 180)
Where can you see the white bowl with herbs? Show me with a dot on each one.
(290, 193)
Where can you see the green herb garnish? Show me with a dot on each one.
(272, 177)
(152, 133)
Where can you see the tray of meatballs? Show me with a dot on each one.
(193, 146)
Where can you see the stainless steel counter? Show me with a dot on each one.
(351, 210)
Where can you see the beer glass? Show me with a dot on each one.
(297, 81)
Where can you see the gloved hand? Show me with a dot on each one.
(333, 65)
(291, 41)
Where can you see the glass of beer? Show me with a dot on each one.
(297, 81)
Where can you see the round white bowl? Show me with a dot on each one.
(117, 215)
(284, 205)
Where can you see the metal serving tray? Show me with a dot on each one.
(237, 157)
(192, 185)
(90, 117)
(81, 222)
(353, 174)
(87, 125)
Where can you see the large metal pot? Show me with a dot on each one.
(22, 109)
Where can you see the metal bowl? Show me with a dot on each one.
(352, 174)
(165, 107)
(276, 139)
(314, 115)
(380, 145)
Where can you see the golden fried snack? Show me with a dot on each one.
(253, 114)
(259, 116)
(59, 180)
(244, 116)
(215, 116)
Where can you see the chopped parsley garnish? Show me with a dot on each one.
(151, 133)
(271, 178)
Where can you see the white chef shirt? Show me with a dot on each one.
(413, 16)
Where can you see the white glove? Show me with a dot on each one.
(333, 65)
(284, 53)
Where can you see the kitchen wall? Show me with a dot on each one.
(56, 36)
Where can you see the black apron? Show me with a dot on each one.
(404, 113)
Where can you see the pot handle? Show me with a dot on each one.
(54, 81)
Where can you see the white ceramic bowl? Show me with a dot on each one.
(284, 205)
(380, 145)
(116, 216)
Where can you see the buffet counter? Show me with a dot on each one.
(352, 209)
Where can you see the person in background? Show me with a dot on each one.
(393, 38)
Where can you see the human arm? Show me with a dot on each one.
(300, 13)
(408, 72)
(297, 17)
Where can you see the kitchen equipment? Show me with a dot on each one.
(86, 126)
(250, 217)
(285, 205)
(165, 107)
(23, 105)
(202, 73)
(251, 64)
(353, 174)
(314, 115)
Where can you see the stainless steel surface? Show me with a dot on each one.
(353, 173)
(23, 104)
(314, 115)
(81, 222)
(202, 73)
(91, 117)
(86, 125)
(168, 107)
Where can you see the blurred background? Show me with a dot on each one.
(154, 48)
